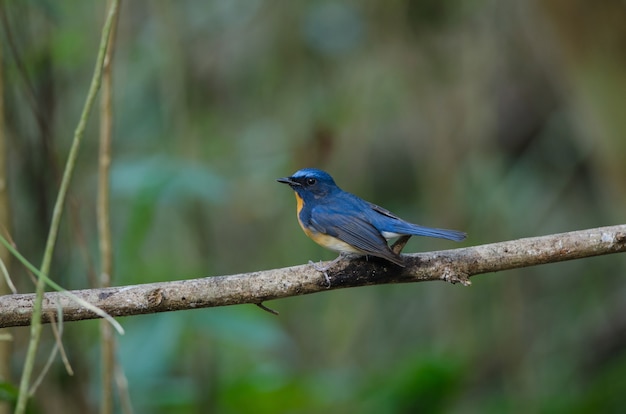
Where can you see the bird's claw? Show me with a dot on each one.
(322, 269)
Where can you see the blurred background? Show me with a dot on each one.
(504, 119)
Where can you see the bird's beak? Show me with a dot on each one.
(288, 180)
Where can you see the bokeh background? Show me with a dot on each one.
(505, 119)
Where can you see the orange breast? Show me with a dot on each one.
(333, 243)
(323, 240)
(299, 205)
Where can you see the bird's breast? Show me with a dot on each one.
(332, 243)
(322, 239)
(299, 204)
(299, 214)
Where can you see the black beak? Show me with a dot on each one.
(287, 180)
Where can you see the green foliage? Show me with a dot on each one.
(422, 384)
(8, 392)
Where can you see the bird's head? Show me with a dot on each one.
(311, 182)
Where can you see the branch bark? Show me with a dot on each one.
(455, 266)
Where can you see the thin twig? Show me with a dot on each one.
(6, 285)
(46, 367)
(7, 278)
(455, 266)
(57, 348)
(122, 386)
(35, 331)
(107, 339)
(266, 309)
(58, 337)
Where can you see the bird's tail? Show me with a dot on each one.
(441, 233)
(417, 230)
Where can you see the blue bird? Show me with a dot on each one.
(345, 223)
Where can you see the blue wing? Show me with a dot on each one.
(352, 228)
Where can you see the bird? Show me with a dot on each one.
(345, 223)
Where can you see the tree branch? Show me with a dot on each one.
(455, 266)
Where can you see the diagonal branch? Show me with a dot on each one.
(455, 266)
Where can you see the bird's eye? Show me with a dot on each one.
(311, 181)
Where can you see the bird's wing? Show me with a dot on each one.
(353, 229)
(383, 211)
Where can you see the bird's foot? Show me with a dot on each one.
(323, 269)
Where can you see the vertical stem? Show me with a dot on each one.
(35, 331)
(5, 256)
(107, 353)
